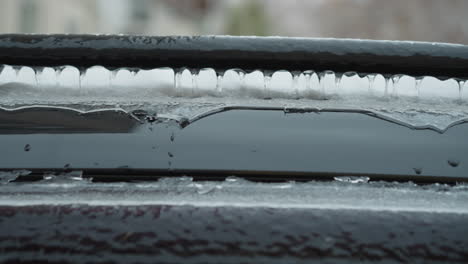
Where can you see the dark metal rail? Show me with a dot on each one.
(221, 52)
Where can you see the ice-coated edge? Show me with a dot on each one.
(185, 121)
(236, 192)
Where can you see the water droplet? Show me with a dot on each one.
(417, 170)
(139, 113)
(170, 154)
(352, 179)
(453, 162)
(67, 177)
(151, 119)
(27, 147)
(172, 137)
(48, 177)
(183, 122)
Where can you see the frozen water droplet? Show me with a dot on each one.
(170, 155)
(417, 170)
(67, 177)
(232, 179)
(453, 162)
(352, 179)
(204, 188)
(27, 147)
(287, 185)
(172, 137)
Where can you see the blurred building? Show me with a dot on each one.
(425, 20)
(49, 16)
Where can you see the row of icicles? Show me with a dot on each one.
(234, 81)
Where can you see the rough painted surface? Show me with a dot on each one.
(390, 57)
(187, 234)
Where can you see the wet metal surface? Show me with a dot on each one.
(187, 234)
(261, 142)
(223, 52)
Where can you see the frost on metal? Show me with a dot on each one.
(343, 193)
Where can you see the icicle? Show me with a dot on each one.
(295, 83)
(112, 75)
(322, 81)
(418, 82)
(388, 79)
(338, 77)
(308, 76)
(219, 80)
(58, 73)
(395, 81)
(36, 73)
(194, 81)
(461, 83)
(371, 79)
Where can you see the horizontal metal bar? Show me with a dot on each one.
(221, 52)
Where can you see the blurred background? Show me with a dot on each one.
(424, 20)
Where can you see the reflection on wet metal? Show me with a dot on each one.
(53, 120)
(262, 143)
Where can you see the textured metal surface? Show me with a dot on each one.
(187, 234)
(221, 52)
